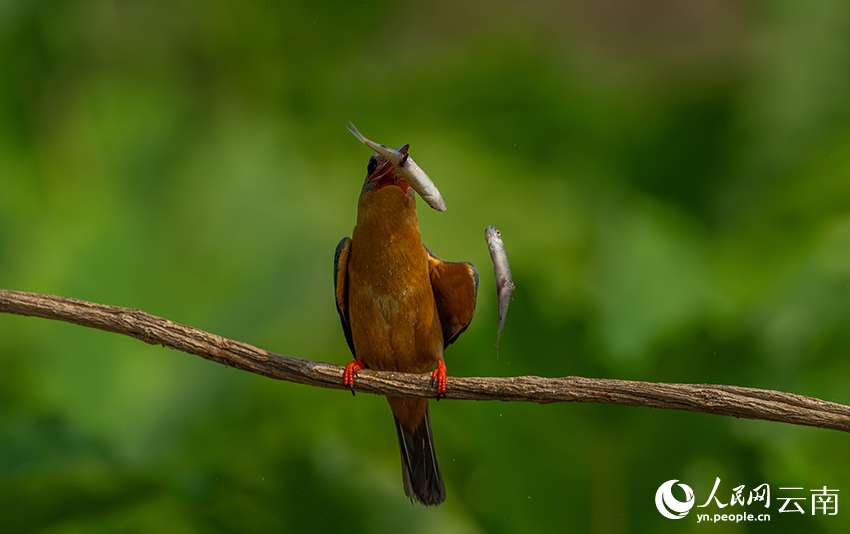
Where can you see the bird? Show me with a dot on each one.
(400, 307)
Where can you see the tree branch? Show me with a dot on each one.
(734, 401)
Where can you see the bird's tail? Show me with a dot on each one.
(422, 479)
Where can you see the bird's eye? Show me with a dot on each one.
(372, 166)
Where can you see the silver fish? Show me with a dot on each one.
(407, 169)
(502, 269)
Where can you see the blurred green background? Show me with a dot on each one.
(672, 180)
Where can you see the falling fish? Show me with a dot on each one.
(502, 270)
(408, 170)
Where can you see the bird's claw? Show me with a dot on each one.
(438, 378)
(350, 372)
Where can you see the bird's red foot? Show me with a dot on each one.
(350, 372)
(438, 378)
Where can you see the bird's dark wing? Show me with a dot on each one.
(341, 287)
(455, 287)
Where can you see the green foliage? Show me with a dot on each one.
(672, 183)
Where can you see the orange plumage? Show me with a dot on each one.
(400, 306)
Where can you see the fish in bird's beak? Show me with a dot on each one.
(406, 169)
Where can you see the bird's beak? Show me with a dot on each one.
(384, 172)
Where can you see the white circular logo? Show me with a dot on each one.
(668, 505)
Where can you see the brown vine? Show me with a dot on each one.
(734, 401)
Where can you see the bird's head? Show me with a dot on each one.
(381, 173)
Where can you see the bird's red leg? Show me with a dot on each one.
(439, 377)
(350, 372)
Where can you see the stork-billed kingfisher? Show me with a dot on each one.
(400, 306)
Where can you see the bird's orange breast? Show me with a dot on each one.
(394, 321)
